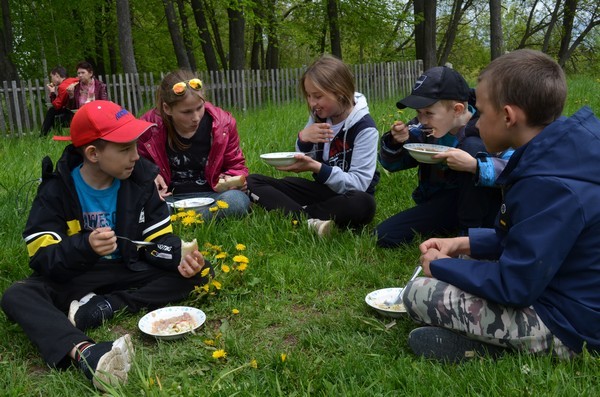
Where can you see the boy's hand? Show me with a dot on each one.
(316, 133)
(103, 241)
(303, 163)
(458, 160)
(191, 264)
(399, 132)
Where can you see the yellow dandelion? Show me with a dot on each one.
(254, 363)
(217, 354)
(213, 209)
(221, 255)
(225, 269)
(242, 267)
(240, 247)
(235, 311)
(283, 357)
(240, 259)
(216, 284)
(188, 220)
(205, 271)
(209, 342)
(181, 214)
(174, 218)
(190, 213)
(205, 287)
(222, 204)
(294, 222)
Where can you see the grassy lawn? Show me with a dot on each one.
(303, 327)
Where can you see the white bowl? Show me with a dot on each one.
(377, 298)
(422, 152)
(146, 323)
(192, 203)
(280, 158)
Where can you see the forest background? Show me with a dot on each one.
(131, 36)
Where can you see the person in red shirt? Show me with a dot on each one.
(59, 99)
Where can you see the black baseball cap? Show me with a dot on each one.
(440, 82)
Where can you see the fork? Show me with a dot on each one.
(398, 298)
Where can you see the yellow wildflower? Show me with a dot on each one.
(240, 259)
(235, 311)
(283, 357)
(254, 363)
(216, 284)
(221, 255)
(205, 271)
(181, 214)
(240, 247)
(225, 269)
(190, 213)
(173, 218)
(209, 342)
(242, 267)
(294, 222)
(213, 209)
(222, 204)
(188, 220)
(219, 354)
(205, 287)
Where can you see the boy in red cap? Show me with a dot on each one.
(457, 193)
(82, 274)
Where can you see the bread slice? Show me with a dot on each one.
(188, 247)
(234, 181)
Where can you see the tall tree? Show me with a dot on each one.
(125, 38)
(180, 53)
(459, 7)
(335, 36)
(567, 44)
(237, 29)
(425, 25)
(551, 25)
(8, 71)
(210, 58)
(496, 28)
(187, 35)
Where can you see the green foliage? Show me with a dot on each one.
(302, 315)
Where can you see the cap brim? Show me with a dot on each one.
(128, 132)
(415, 102)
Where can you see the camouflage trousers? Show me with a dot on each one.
(440, 304)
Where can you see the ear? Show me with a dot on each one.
(459, 108)
(511, 115)
(167, 109)
(91, 153)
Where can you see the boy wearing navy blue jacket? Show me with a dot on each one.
(531, 284)
(81, 273)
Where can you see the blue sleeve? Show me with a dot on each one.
(489, 167)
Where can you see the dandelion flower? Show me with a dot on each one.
(254, 363)
(222, 204)
(242, 267)
(190, 213)
(217, 354)
(216, 284)
(181, 214)
(205, 271)
(205, 287)
(174, 218)
(240, 259)
(221, 255)
(188, 220)
(225, 269)
(235, 311)
(283, 357)
(213, 209)
(240, 247)
(209, 342)
(295, 222)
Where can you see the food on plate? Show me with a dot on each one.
(397, 307)
(428, 149)
(174, 325)
(188, 247)
(226, 184)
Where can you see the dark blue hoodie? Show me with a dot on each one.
(547, 238)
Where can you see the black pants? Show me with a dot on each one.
(50, 120)
(295, 196)
(40, 305)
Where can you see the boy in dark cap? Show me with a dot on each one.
(457, 193)
(81, 273)
(532, 283)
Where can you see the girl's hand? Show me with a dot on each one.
(191, 264)
(317, 133)
(399, 132)
(162, 187)
(103, 241)
(303, 163)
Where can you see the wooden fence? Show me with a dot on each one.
(23, 104)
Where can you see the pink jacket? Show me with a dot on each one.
(225, 156)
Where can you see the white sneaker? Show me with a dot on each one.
(323, 228)
(107, 363)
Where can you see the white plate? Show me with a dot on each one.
(423, 152)
(279, 158)
(146, 323)
(377, 298)
(192, 202)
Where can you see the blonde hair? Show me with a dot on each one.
(530, 80)
(332, 76)
(166, 96)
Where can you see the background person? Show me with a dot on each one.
(340, 146)
(195, 145)
(87, 89)
(59, 98)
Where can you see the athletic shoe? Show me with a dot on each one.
(90, 311)
(107, 363)
(323, 228)
(444, 345)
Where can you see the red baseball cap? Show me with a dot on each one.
(104, 120)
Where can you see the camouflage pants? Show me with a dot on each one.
(437, 303)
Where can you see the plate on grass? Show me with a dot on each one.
(192, 203)
(423, 152)
(172, 322)
(279, 159)
(377, 299)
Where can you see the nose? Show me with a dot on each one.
(312, 102)
(136, 155)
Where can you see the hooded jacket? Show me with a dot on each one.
(59, 248)
(225, 156)
(352, 158)
(60, 98)
(547, 237)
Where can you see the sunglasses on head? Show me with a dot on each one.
(181, 87)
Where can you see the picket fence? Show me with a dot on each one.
(23, 104)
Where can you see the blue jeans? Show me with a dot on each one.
(238, 203)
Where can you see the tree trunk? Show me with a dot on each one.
(209, 9)
(237, 26)
(551, 25)
(8, 71)
(425, 14)
(187, 35)
(458, 10)
(567, 30)
(334, 28)
(182, 59)
(210, 58)
(256, 53)
(125, 39)
(272, 56)
(496, 43)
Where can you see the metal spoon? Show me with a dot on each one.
(398, 298)
(137, 242)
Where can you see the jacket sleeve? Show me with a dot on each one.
(101, 93)
(489, 167)
(392, 156)
(61, 99)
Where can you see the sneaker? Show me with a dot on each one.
(90, 311)
(107, 363)
(444, 345)
(323, 228)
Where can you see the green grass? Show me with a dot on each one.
(301, 296)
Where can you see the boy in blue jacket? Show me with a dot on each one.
(81, 273)
(532, 282)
